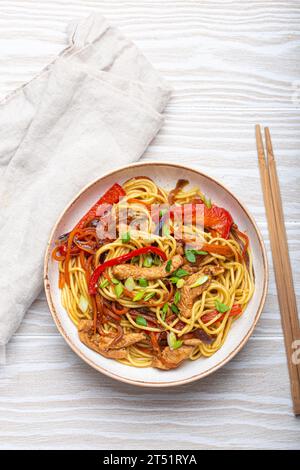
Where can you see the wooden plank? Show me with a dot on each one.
(49, 398)
(214, 53)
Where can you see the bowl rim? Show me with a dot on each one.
(136, 382)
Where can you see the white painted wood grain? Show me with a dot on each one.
(50, 398)
(232, 64)
(214, 53)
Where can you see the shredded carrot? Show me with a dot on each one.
(138, 201)
(57, 255)
(61, 280)
(218, 249)
(154, 341)
(117, 310)
(235, 310)
(68, 255)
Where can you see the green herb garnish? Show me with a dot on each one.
(173, 279)
(222, 308)
(166, 230)
(174, 309)
(200, 281)
(177, 297)
(180, 283)
(119, 290)
(141, 321)
(115, 281)
(168, 266)
(162, 212)
(156, 260)
(126, 237)
(149, 296)
(148, 261)
(143, 282)
(206, 200)
(173, 342)
(190, 255)
(180, 272)
(104, 284)
(165, 311)
(138, 296)
(130, 284)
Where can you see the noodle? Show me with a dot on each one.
(232, 286)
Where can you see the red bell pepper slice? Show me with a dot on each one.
(119, 260)
(112, 196)
(235, 310)
(215, 217)
(218, 219)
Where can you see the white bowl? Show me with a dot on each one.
(165, 175)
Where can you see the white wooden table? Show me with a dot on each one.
(232, 64)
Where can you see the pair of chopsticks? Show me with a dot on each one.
(281, 260)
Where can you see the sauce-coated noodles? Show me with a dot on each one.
(173, 298)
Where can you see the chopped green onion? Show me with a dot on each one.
(119, 289)
(173, 342)
(180, 272)
(83, 304)
(173, 279)
(115, 281)
(149, 296)
(148, 261)
(200, 281)
(126, 237)
(104, 284)
(190, 256)
(168, 266)
(177, 297)
(165, 309)
(180, 283)
(206, 200)
(139, 295)
(156, 260)
(141, 321)
(143, 282)
(174, 309)
(130, 284)
(135, 259)
(222, 308)
(166, 230)
(162, 212)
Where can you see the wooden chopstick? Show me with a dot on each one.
(281, 260)
(275, 188)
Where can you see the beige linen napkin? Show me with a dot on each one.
(96, 107)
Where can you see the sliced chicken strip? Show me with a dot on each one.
(170, 359)
(192, 342)
(103, 344)
(123, 271)
(189, 294)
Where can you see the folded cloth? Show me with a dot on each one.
(96, 107)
